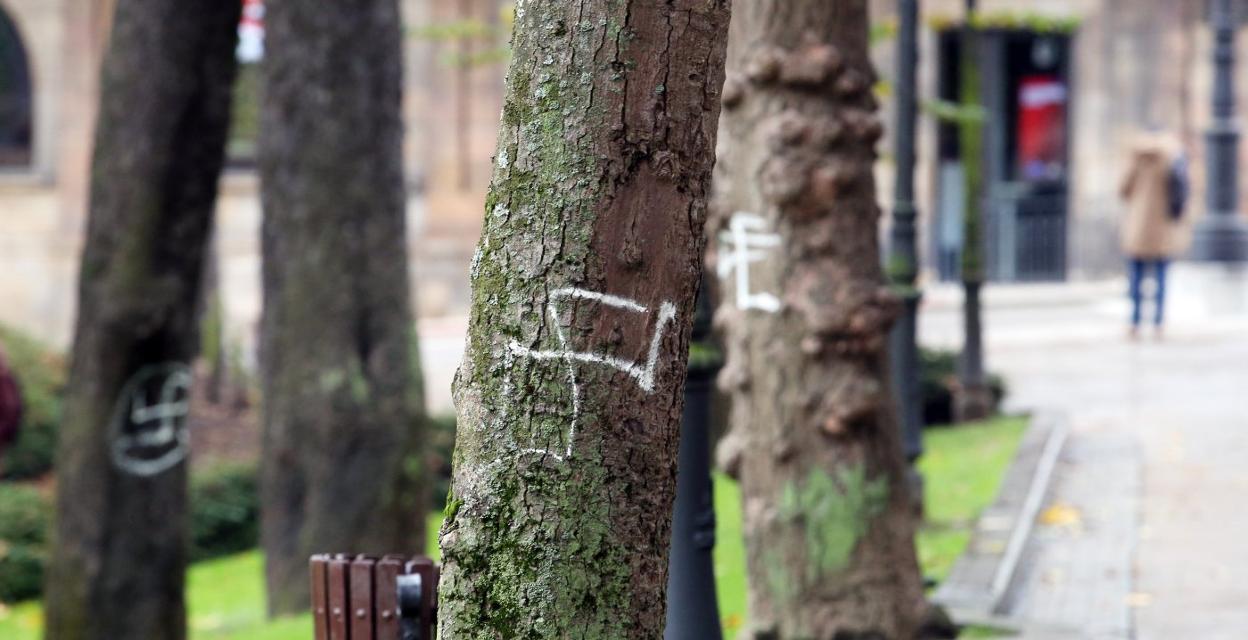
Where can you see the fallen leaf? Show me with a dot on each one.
(1060, 515)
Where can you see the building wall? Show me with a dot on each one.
(1137, 62)
(34, 252)
(43, 208)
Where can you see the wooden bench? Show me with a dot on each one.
(368, 598)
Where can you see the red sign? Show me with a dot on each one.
(1042, 127)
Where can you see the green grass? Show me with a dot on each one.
(729, 555)
(962, 468)
(225, 601)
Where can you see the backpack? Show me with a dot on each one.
(1177, 187)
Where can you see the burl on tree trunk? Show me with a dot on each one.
(343, 410)
(119, 551)
(569, 394)
(805, 314)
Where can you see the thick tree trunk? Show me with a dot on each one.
(806, 314)
(120, 545)
(569, 394)
(343, 409)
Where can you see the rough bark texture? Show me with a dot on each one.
(569, 394)
(343, 406)
(120, 544)
(805, 315)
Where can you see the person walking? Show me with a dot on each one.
(1154, 191)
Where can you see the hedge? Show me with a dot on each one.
(40, 374)
(224, 519)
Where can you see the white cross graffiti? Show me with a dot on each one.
(746, 242)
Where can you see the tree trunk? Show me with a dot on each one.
(120, 545)
(569, 394)
(343, 412)
(806, 314)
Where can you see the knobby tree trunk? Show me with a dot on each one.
(120, 544)
(343, 411)
(806, 313)
(569, 393)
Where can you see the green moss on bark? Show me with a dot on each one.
(549, 537)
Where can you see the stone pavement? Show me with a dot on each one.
(1142, 531)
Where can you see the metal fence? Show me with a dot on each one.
(1026, 233)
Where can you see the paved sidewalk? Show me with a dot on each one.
(1142, 536)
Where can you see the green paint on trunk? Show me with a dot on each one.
(837, 510)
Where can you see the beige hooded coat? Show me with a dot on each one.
(1148, 232)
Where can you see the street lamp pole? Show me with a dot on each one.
(1221, 235)
(692, 609)
(903, 254)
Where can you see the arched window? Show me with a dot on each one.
(15, 103)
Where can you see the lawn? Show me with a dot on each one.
(962, 468)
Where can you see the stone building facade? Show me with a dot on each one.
(452, 98)
(1136, 63)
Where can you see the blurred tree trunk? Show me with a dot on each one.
(569, 394)
(119, 556)
(343, 412)
(806, 313)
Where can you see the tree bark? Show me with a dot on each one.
(120, 544)
(569, 393)
(343, 411)
(805, 314)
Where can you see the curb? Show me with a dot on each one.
(983, 574)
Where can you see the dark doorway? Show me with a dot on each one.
(1026, 97)
(15, 97)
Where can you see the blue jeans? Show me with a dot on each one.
(1135, 273)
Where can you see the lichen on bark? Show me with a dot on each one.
(564, 465)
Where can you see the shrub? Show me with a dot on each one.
(224, 519)
(41, 376)
(440, 434)
(24, 522)
(225, 510)
(938, 382)
(24, 514)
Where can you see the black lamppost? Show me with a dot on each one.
(1221, 235)
(903, 262)
(692, 610)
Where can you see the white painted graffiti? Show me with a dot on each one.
(148, 438)
(746, 241)
(642, 372)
